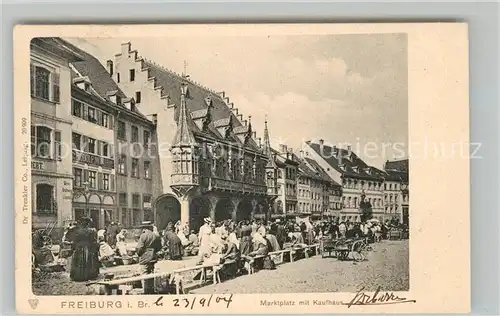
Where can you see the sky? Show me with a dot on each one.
(339, 88)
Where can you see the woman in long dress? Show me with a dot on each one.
(85, 263)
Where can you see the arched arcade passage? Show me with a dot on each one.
(244, 210)
(167, 209)
(198, 210)
(223, 210)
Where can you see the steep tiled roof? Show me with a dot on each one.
(344, 161)
(393, 175)
(399, 165)
(196, 100)
(321, 171)
(101, 80)
(306, 171)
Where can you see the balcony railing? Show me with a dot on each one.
(229, 185)
(92, 159)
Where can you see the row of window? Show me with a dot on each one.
(136, 200)
(92, 145)
(307, 207)
(93, 179)
(121, 133)
(91, 114)
(236, 170)
(355, 201)
(131, 75)
(362, 185)
(44, 83)
(135, 168)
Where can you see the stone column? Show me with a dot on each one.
(235, 201)
(185, 202)
(254, 208)
(212, 213)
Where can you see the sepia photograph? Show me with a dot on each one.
(265, 165)
(195, 169)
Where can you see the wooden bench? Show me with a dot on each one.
(279, 256)
(125, 285)
(250, 262)
(192, 277)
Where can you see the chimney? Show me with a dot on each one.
(109, 63)
(301, 154)
(155, 119)
(348, 147)
(283, 148)
(125, 48)
(254, 134)
(321, 142)
(290, 150)
(245, 122)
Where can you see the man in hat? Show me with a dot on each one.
(148, 246)
(173, 242)
(204, 239)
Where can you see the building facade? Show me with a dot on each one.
(51, 165)
(209, 161)
(396, 190)
(115, 165)
(359, 181)
(331, 191)
(288, 169)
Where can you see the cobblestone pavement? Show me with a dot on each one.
(387, 267)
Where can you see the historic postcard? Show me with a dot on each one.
(309, 168)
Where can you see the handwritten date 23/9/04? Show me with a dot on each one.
(192, 302)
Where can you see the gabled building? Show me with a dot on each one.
(359, 181)
(210, 162)
(115, 168)
(332, 191)
(396, 190)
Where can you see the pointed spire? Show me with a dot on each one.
(183, 135)
(267, 142)
(266, 147)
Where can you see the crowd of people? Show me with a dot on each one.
(87, 249)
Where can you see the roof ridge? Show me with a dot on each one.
(170, 71)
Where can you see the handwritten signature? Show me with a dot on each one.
(361, 298)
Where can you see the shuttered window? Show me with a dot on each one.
(44, 83)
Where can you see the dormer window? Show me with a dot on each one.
(342, 167)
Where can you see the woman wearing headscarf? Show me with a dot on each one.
(85, 263)
(173, 243)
